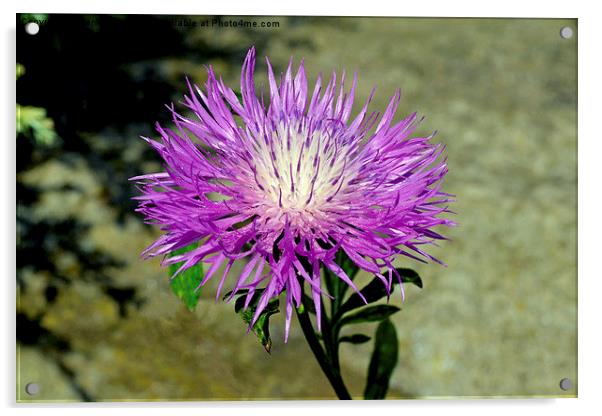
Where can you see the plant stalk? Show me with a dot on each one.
(326, 362)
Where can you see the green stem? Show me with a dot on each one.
(328, 361)
(331, 340)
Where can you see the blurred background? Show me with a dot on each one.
(94, 322)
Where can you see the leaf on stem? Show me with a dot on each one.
(333, 282)
(370, 314)
(409, 276)
(355, 339)
(345, 263)
(308, 303)
(261, 329)
(373, 291)
(383, 361)
(185, 284)
(376, 290)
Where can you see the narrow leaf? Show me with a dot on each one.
(410, 276)
(309, 304)
(373, 291)
(345, 263)
(355, 339)
(376, 290)
(240, 301)
(261, 329)
(238, 292)
(184, 285)
(370, 314)
(334, 285)
(383, 361)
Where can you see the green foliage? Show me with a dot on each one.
(410, 276)
(355, 339)
(262, 326)
(20, 70)
(354, 310)
(308, 303)
(373, 313)
(383, 361)
(376, 290)
(334, 285)
(32, 121)
(186, 284)
(346, 264)
(372, 292)
(33, 17)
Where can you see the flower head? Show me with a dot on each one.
(291, 183)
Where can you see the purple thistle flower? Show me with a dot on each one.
(298, 181)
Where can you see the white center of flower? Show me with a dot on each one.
(299, 172)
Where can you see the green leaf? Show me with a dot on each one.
(373, 291)
(308, 303)
(41, 19)
(261, 329)
(409, 276)
(335, 286)
(32, 121)
(383, 361)
(370, 314)
(355, 339)
(184, 285)
(240, 301)
(348, 265)
(20, 70)
(376, 290)
(238, 292)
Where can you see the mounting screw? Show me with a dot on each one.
(32, 388)
(566, 384)
(566, 32)
(32, 28)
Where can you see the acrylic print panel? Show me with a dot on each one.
(300, 201)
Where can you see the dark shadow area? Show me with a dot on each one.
(100, 82)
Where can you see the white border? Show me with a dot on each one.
(589, 190)
(508, 8)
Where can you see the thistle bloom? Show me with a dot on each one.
(290, 184)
